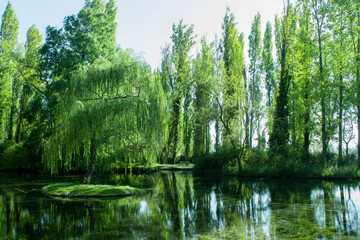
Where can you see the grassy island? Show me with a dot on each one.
(89, 191)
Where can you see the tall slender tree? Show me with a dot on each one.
(304, 57)
(338, 26)
(203, 74)
(254, 80)
(183, 40)
(319, 14)
(29, 70)
(9, 79)
(268, 64)
(247, 100)
(231, 106)
(353, 13)
(219, 72)
(280, 131)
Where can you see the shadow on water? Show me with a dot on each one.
(180, 205)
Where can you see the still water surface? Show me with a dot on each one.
(179, 205)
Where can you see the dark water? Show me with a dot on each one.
(183, 206)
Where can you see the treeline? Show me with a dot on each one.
(76, 100)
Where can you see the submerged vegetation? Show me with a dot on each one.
(89, 191)
(76, 102)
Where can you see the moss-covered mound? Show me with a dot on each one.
(89, 191)
(174, 167)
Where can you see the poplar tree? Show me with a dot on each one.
(279, 136)
(31, 85)
(340, 42)
(268, 68)
(204, 76)
(219, 73)
(233, 101)
(353, 13)
(304, 57)
(254, 80)
(318, 8)
(183, 40)
(246, 101)
(8, 78)
(268, 64)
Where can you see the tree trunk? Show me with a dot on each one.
(198, 139)
(93, 148)
(233, 144)
(358, 110)
(323, 109)
(358, 83)
(208, 139)
(340, 121)
(258, 132)
(20, 120)
(307, 128)
(293, 122)
(217, 138)
(237, 154)
(1, 120)
(19, 128)
(175, 125)
(12, 109)
(199, 128)
(173, 135)
(323, 131)
(251, 127)
(247, 137)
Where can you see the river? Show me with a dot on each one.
(180, 205)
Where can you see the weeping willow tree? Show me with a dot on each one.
(110, 113)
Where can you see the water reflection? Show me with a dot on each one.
(182, 206)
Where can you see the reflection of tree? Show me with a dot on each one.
(314, 210)
(179, 206)
(343, 208)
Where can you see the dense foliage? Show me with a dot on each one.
(77, 102)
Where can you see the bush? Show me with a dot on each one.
(17, 157)
(340, 172)
(252, 158)
(215, 161)
(5, 145)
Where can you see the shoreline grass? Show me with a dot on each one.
(302, 172)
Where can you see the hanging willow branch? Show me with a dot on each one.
(113, 103)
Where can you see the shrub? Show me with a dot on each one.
(18, 157)
(214, 161)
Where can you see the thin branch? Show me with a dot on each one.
(27, 81)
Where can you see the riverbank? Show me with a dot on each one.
(298, 172)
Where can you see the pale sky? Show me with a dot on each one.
(146, 25)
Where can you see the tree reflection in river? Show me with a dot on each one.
(182, 206)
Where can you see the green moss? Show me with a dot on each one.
(89, 191)
(174, 167)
